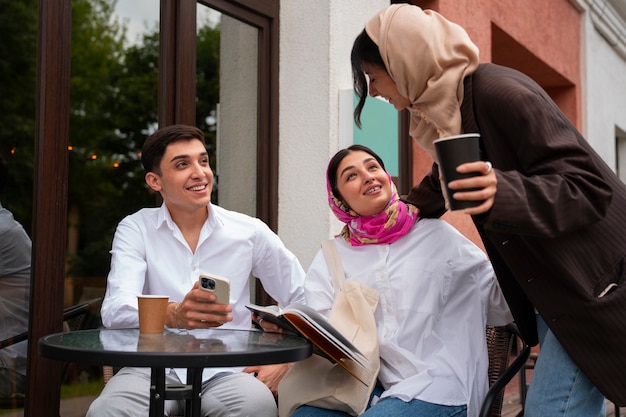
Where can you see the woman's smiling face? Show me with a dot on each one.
(381, 84)
(363, 184)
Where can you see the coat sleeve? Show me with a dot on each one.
(427, 196)
(549, 183)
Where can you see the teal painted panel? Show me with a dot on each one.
(379, 131)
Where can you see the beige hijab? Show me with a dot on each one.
(427, 56)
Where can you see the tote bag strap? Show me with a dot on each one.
(334, 264)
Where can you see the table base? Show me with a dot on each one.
(190, 392)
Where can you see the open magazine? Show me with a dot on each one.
(310, 324)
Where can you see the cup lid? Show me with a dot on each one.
(464, 135)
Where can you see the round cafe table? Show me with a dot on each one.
(193, 350)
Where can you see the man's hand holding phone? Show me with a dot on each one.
(219, 308)
(206, 305)
(220, 286)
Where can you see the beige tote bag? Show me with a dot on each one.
(317, 381)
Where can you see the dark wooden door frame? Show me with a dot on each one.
(177, 62)
(405, 154)
(49, 230)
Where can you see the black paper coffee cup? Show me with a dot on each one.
(453, 151)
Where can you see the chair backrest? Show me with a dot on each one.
(500, 341)
(74, 318)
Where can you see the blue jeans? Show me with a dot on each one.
(558, 387)
(389, 407)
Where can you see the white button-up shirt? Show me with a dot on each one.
(437, 292)
(151, 256)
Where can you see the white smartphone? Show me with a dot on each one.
(216, 284)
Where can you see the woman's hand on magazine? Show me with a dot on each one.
(266, 325)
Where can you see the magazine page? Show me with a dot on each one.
(327, 341)
(322, 334)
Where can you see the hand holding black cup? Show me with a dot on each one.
(453, 151)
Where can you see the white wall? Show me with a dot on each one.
(604, 68)
(315, 41)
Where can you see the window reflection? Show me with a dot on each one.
(237, 116)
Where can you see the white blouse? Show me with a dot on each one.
(437, 292)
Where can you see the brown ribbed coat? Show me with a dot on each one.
(556, 234)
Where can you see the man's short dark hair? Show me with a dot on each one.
(155, 145)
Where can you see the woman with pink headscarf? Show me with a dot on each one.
(551, 211)
(437, 291)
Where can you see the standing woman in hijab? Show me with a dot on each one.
(437, 291)
(552, 212)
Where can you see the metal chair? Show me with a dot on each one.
(74, 318)
(500, 341)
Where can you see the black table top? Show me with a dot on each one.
(173, 348)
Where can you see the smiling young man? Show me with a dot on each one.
(163, 251)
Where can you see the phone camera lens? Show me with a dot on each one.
(208, 283)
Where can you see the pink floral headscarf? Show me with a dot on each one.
(427, 56)
(387, 226)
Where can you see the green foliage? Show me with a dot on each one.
(18, 47)
(104, 165)
(114, 105)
